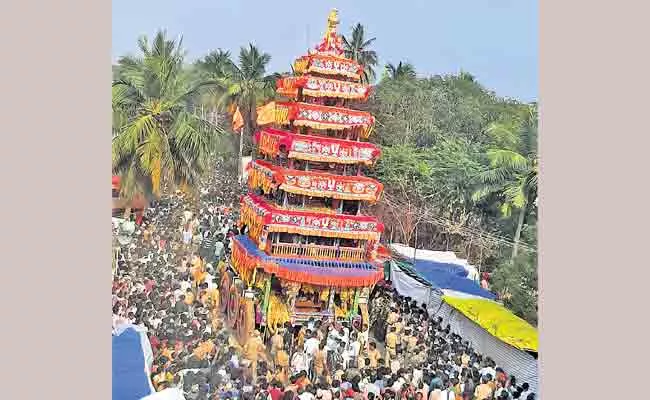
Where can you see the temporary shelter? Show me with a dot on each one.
(447, 257)
(491, 329)
(496, 332)
(132, 359)
(167, 394)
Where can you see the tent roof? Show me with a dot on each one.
(446, 257)
(498, 321)
(444, 276)
(130, 379)
(445, 280)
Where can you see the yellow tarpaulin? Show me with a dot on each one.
(497, 320)
(265, 116)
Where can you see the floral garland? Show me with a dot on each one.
(282, 114)
(301, 64)
(260, 176)
(330, 119)
(253, 216)
(243, 263)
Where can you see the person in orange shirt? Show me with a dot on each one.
(277, 343)
(205, 348)
(300, 342)
(373, 355)
(391, 343)
(189, 297)
(253, 350)
(319, 360)
(167, 353)
(282, 363)
(484, 390)
(198, 272)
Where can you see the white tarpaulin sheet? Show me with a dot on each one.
(437, 256)
(410, 287)
(167, 394)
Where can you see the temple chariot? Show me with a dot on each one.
(308, 249)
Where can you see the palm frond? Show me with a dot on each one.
(508, 159)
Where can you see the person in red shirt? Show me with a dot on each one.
(155, 343)
(276, 390)
(149, 284)
(501, 377)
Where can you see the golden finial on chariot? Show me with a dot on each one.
(331, 37)
(332, 20)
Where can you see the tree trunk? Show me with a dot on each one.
(240, 166)
(520, 224)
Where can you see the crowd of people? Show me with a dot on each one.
(167, 281)
(423, 355)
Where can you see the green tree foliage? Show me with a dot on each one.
(400, 71)
(515, 280)
(512, 175)
(443, 139)
(158, 142)
(356, 47)
(245, 84)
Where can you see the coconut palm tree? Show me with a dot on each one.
(400, 71)
(512, 174)
(158, 142)
(356, 48)
(244, 85)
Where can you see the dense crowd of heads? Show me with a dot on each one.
(167, 282)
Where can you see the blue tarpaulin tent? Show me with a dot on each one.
(130, 370)
(443, 278)
(451, 269)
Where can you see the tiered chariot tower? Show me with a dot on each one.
(308, 250)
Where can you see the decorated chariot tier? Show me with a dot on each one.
(307, 249)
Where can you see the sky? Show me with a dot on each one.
(494, 40)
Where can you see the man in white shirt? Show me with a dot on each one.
(218, 249)
(311, 345)
(209, 279)
(488, 371)
(351, 351)
(397, 386)
(298, 362)
(187, 215)
(525, 391)
(370, 387)
(417, 376)
(306, 396)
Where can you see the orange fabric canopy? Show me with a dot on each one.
(265, 116)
